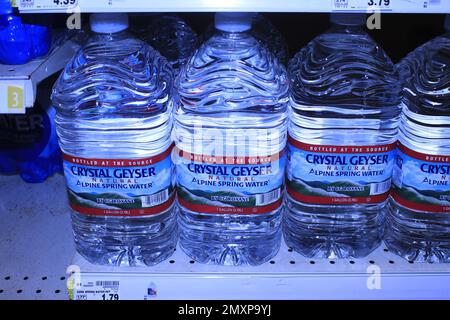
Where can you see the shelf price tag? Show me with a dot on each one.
(101, 289)
(361, 5)
(47, 4)
(12, 97)
(411, 6)
(15, 98)
(111, 286)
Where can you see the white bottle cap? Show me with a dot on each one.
(233, 21)
(348, 19)
(109, 22)
(447, 22)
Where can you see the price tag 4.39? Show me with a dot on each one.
(47, 4)
(63, 3)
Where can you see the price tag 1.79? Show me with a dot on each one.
(91, 289)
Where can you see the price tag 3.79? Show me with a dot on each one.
(361, 5)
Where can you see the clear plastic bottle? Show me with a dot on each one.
(230, 132)
(345, 98)
(171, 36)
(418, 219)
(114, 105)
(264, 30)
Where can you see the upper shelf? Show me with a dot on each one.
(18, 83)
(392, 6)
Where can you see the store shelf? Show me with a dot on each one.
(36, 248)
(18, 83)
(35, 239)
(395, 6)
(289, 276)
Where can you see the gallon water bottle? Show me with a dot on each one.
(418, 220)
(230, 132)
(113, 122)
(345, 97)
(170, 35)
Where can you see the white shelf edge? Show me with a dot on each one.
(26, 77)
(396, 6)
(271, 286)
(177, 278)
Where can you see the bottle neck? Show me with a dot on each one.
(233, 35)
(112, 36)
(350, 29)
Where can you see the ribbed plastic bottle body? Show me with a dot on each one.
(418, 222)
(264, 30)
(172, 37)
(232, 108)
(345, 100)
(114, 105)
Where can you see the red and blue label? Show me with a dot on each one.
(120, 187)
(334, 175)
(230, 185)
(421, 181)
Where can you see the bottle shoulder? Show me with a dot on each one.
(171, 36)
(232, 71)
(347, 67)
(111, 74)
(435, 50)
(425, 73)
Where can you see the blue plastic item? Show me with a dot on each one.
(28, 145)
(20, 42)
(5, 7)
